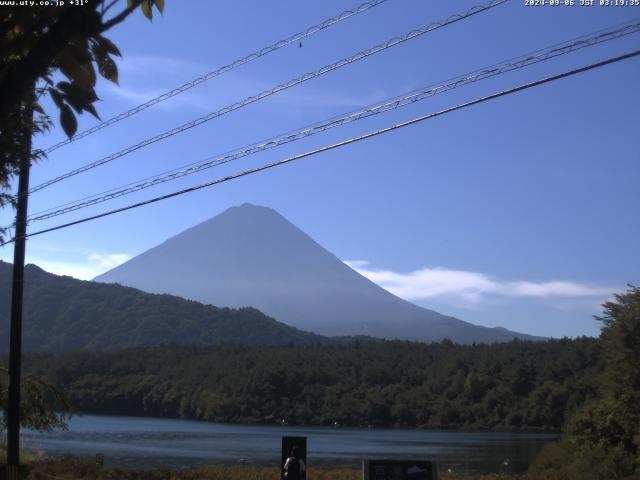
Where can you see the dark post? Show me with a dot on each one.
(15, 345)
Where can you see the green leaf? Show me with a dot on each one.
(85, 95)
(146, 9)
(108, 69)
(64, 86)
(80, 99)
(160, 5)
(81, 73)
(74, 102)
(91, 109)
(108, 46)
(106, 65)
(68, 121)
(79, 48)
(56, 97)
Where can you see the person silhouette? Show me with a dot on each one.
(294, 467)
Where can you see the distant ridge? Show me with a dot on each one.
(253, 256)
(63, 314)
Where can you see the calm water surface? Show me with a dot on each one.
(151, 443)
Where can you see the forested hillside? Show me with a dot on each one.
(514, 386)
(63, 314)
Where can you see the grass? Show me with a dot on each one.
(25, 457)
(71, 468)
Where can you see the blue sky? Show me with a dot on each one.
(521, 212)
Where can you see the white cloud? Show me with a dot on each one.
(155, 75)
(76, 270)
(107, 261)
(317, 97)
(129, 94)
(471, 288)
(84, 269)
(151, 65)
(556, 289)
(355, 264)
(146, 77)
(136, 97)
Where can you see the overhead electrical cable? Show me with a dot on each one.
(215, 73)
(340, 144)
(377, 108)
(296, 81)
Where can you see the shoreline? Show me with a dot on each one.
(553, 433)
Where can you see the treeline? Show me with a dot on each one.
(65, 314)
(508, 386)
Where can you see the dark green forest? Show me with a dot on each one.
(601, 440)
(509, 386)
(66, 314)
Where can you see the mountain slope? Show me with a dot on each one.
(252, 256)
(65, 314)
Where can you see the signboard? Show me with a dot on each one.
(398, 470)
(287, 445)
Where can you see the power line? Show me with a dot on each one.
(342, 143)
(209, 75)
(291, 83)
(514, 64)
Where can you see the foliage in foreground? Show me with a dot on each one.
(37, 41)
(602, 439)
(43, 406)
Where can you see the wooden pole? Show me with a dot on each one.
(15, 345)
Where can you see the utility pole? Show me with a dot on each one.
(15, 345)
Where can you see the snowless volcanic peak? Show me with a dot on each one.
(252, 256)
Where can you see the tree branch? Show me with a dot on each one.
(121, 16)
(108, 7)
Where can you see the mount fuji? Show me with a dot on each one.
(253, 256)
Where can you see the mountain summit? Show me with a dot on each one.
(253, 256)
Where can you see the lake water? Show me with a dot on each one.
(151, 443)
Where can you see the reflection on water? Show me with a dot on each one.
(151, 443)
